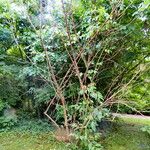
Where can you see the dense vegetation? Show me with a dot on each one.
(74, 62)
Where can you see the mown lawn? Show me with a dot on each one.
(134, 119)
(29, 141)
(126, 135)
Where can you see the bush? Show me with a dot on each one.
(2, 106)
(33, 126)
(7, 123)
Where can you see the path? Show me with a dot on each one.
(134, 119)
(131, 116)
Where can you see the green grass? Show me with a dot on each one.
(30, 135)
(127, 137)
(137, 121)
(29, 141)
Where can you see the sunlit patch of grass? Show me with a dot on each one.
(136, 120)
(27, 141)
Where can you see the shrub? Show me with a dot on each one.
(7, 123)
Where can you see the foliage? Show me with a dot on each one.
(88, 140)
(6, 123)
(33, 126)
(2, 106)
(9, 85)
(77, 61)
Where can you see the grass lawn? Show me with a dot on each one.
(126, 135)
(137, 121)
(134, 119)
(29, 141)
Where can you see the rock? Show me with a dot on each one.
(10, 112)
